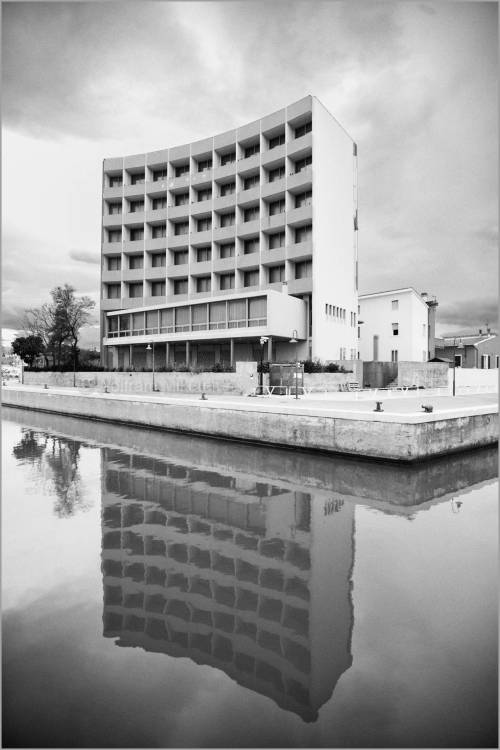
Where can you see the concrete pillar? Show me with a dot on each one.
(231, 357)
(270, 349)
(187, 353)
(130, 355)
(167, 353)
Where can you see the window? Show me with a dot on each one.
(136, 234)
(227, 250)
(395, 329)
(182, 227)
(303, 199)
(276, 273)
(204, 164)
(159, 231)
(250, 182)
(159, 203)
(303, 129)
(158, 289)
(203, 254)
(277, 207)
(496, 361)
(257, 311)
(485, 361)
(276, 174)
(227, 188)
(458, 360)
(303, 270)
(158, 260)
(217, 314)
(394, 355)
(276, 240)
(182, 169)
(135, 261)
(137, 178)
(424, 329)
(251, 245)
(199, 317)
(135, 290)
(181, 199)
(204, 224)
(227, 158)
(114, 263)
(136, 206)
(180, 258)
(250, 214)
(203, 284)
(226, 281)
(251, 278)
(114, 209)
(204, 195)
(180, 286)
(112, 324)
(303, 234)
(114, 235)
(227, 220)
(115, 180)
(277, 140)
(237, 313)
(114, 291)
(302, 164)
(395, 304)
(251, 150)
(159, 174)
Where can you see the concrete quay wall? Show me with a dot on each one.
(388, 437)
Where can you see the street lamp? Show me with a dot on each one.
(148, 349)
(263, 342)
(295, 340)
(455, 347)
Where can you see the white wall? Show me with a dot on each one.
(473, 380)
(378, 316)
(333, 236)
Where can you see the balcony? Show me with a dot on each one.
(200, 238)
(271, 257)
(133, 274)
(179, 212)
(112, 304)
(177, 272)
(300, 180)
(109, 277)
(111, 248)
(277, 221)
(112, 220)
(251, 163)
(224, 201)
(201, 269)
(176, 183)
(133, 246)
(112, 192)
(158, 243)
(152, 301)
(224, 264)
(133, 191)
(158, 214)
(299, 251)
(274, 188)
(158, 273)
(179, 240)
(228, 170)
(247, 197)
(157, 188)
(299, 147)
(299, 216)
(251, 260)
(202, 208)
(134, 218)
(300, 286)
(201, 179)
(224, 233)
(273, 156)
(249, 228)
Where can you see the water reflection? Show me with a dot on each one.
(55, 460)
(230, 572)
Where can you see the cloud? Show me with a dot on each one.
(85, 256)
(469, 313)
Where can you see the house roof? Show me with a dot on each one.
(470, 339)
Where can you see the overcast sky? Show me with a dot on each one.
(414, 83)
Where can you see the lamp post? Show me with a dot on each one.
(263, 342)
(295, 340)
(455, 347)
(148, 349)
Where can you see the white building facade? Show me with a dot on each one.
(396, 325)
(252, 233)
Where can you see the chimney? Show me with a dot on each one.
(480, 332)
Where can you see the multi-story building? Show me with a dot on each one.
(397, 325)
(209, 246)
(478, 350)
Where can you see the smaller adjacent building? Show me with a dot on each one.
(480, 350)
(397, 325)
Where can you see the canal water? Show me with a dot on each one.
(167, 591)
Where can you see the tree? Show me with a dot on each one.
(28, 348)
(39, 321)
(70, 315)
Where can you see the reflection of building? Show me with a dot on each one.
(397, 325)
(242, 575)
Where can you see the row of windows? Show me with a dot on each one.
(138, 177)
(339, 313)
(181, 228)
(276, 274)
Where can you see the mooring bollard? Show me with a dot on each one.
(46, 386)
(379, 406)
(203, 397)
(105, 390)
(427, 408)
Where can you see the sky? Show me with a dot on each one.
(413, 83)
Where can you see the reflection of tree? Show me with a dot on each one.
(56, 459)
